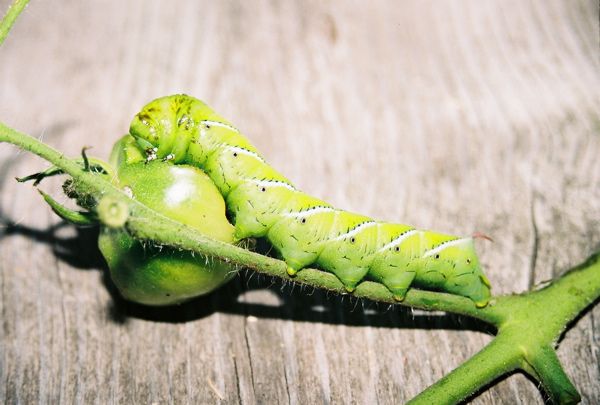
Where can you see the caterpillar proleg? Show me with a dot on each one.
(305, 230)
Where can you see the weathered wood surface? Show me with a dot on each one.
(453, 115)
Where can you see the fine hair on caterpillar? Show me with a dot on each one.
(305, 230)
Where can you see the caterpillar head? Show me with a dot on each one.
(458, 263)
(166, 127)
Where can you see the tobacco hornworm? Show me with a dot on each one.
(303, 229)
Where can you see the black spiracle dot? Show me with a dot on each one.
(303, 220)
(397, 248)
(468, 261)
(437, 256)
(263, 189)
(235, 154)
(352, 239)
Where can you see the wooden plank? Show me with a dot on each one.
(452, 115)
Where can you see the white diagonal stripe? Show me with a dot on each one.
(399, 239)
(309, 212)
(273, 183)
(219, 124)
(356, 230)
(243, 151)
(445, 245)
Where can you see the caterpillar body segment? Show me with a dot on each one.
(305, 230)
(349, 255)
(254, 217)
(232, 166)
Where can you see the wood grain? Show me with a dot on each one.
(451, 115)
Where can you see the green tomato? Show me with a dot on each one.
(162, 276)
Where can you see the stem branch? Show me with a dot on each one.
(496, 359)
(550, 373)
(10, 17)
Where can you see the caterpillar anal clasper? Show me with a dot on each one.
(305, 230)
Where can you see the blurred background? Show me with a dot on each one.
(458, 116)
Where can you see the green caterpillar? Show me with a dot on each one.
(303, 229)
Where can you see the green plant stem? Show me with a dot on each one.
(10, 17)
(532, 324)
(529, 325)
(492, 361)
(546, 368)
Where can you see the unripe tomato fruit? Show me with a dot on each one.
(154, 275)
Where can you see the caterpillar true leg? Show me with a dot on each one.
(304, 230)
